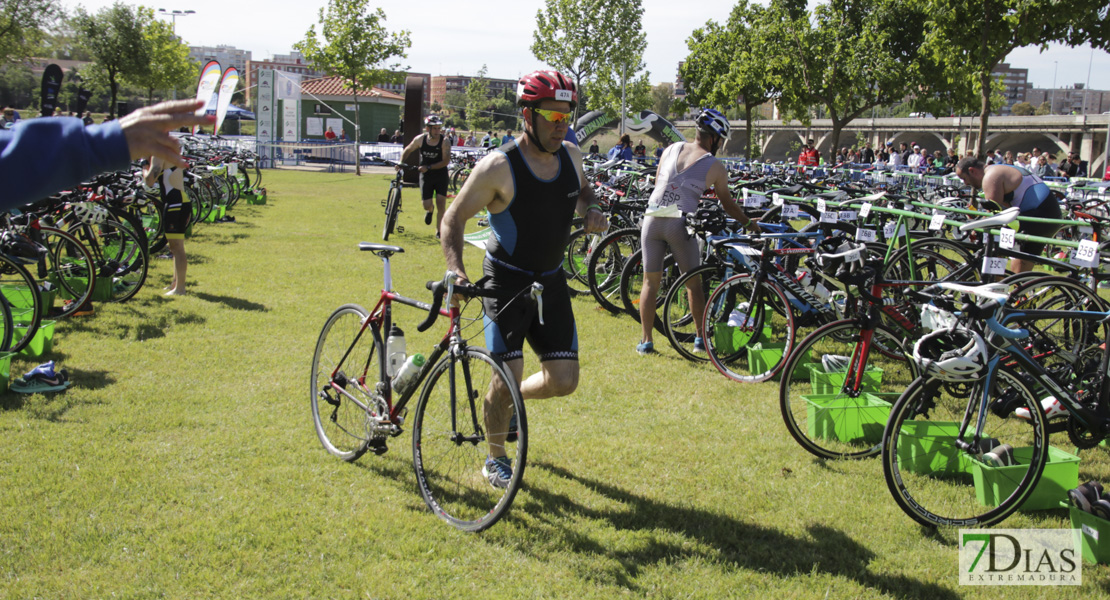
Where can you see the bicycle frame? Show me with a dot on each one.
(1013, 350)
(382, 317)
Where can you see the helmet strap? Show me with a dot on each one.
(535, 140)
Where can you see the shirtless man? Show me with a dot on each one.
(1006, 186)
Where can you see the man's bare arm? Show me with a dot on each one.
(718, 179)
(484, 186)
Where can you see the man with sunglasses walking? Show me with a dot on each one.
(532, 188)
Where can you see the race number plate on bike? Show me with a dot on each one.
(994, 265)
(790, 211)
(865, 235)
(1086, 255)
(1006, 239)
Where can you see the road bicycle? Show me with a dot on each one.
(392, 202)
(466, 399)
(967, 442)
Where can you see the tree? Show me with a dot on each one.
(578, 37)
(1044, 109)
(1022, 109)
(114, 39)
(24, 25)
(455, 101)
(730, 65)
(169, 66)
(852, 55)
(478, 102)
(973, 36)
(355, 47)
(18, 87)
(616, 85)
(662, 97)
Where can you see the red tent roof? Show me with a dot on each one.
(333, 86)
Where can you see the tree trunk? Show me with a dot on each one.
(984, 114)
(115, 88)
(837, 127)
(358, 130)
(748, 126)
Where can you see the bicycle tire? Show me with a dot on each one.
(678, 322)
(835, 420)
(21, 292)
(70, 267)
(606, 262)
(932, 479)
(392, 206)
(449, 440)
(341, 422)
(731, 330)
(632, 283)
(575, 264)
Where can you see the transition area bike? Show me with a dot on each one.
(467, 399)
(392, 202)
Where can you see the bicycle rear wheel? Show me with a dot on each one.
(823, 408)
(25, 301)
(345, 368)
(678, 318)
(603, 270)
(464, 411)
(939, 484)
(392, 206)
(749, 329)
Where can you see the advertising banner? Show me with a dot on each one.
(51, 85)
(206, 85)
(227, 89)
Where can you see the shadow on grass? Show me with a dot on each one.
(740, 544)
(232, 239)
(230, 302)
(137, 324)
(191, 257)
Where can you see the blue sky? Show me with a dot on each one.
(459, 36)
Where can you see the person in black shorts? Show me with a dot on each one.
(175, 216)
(435, 155)
(532, 188)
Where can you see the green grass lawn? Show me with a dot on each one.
(183, 463)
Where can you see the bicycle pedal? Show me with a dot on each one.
(400, 229)
(378, 446)
(383, 203)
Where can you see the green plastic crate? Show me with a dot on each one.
(5, 369)
(101, 293)
(764, 354)
(43, 341)
(852, 420)
(1061, 474)
(1093, 531)
(832, 383)
(216, 213)
(257, 198)
(927, 447)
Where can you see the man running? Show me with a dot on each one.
(532, 187)
(685, 171)
(1006, 186)
(435, 155)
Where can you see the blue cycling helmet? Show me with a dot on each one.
(712, 121)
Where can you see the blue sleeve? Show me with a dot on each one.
(626, 153)
(571, 136)
(39, 157)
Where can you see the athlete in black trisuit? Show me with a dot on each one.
(532, 187)
(435, 155)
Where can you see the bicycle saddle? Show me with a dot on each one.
(375, 248)
(1002, 218)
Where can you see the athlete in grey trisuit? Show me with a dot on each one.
(685, 172)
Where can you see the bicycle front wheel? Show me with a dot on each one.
(462, 418)
(936, 481)
(345, 369)
(827, 409)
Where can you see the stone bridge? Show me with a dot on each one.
(1085, 134)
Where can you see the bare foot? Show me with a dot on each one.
(175, 293)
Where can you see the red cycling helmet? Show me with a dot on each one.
(544, 85)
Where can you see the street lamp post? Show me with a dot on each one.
(1052, 105)
(173, 15)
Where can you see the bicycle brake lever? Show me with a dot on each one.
(537, 295)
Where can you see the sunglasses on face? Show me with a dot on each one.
(553, 116)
